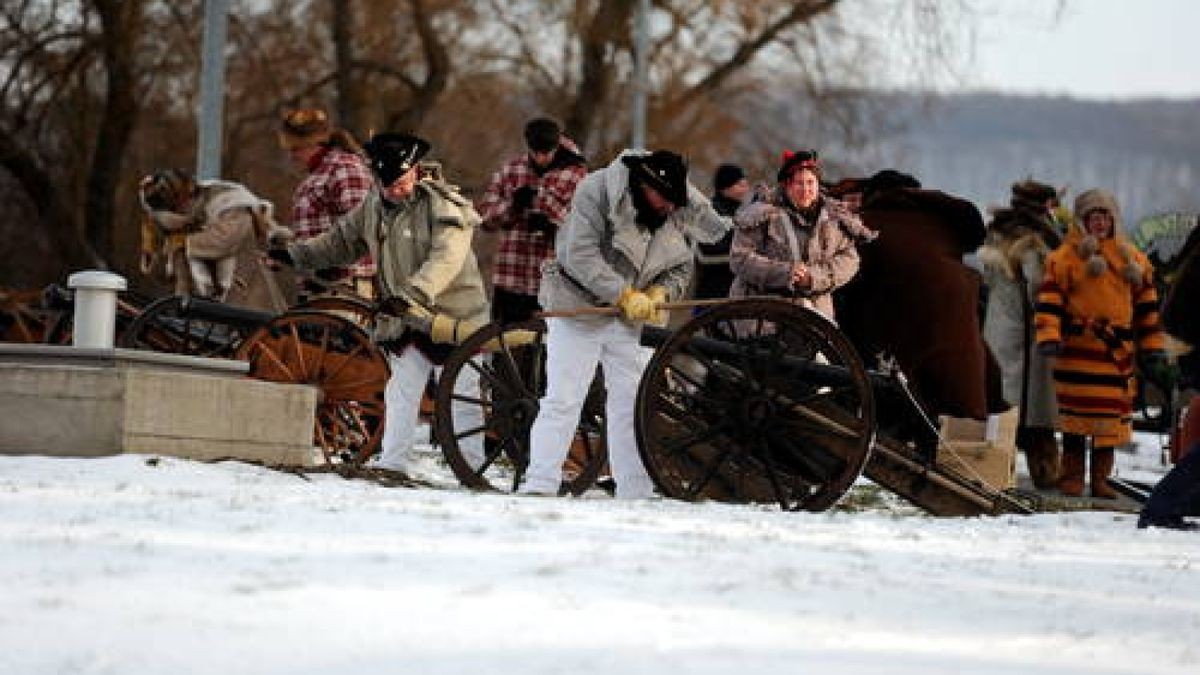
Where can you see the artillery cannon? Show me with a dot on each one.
(755, 400)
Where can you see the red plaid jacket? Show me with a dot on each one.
(521, 252)
(336, 184)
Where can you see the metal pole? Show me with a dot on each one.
(212, 89)
(640, 73)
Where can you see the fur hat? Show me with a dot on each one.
(1088, 246)
(304, 128)
(792, 161)
(392, 155)
(1030, 194)
(542, 134)
(166, 189)
(727, 175)
(663, 171)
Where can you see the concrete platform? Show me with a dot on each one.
(71, 401)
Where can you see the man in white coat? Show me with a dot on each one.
(626, 242)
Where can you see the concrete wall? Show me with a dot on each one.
(91, 407)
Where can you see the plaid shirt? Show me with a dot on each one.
(521, 252)
(336, 184)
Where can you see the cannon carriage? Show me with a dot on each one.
(754, 400)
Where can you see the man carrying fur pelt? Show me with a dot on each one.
(210, 235)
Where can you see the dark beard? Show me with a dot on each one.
(646, 216)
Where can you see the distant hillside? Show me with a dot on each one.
(977, 145)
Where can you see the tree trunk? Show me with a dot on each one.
(120, 25)
(610, 22)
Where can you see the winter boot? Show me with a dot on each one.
(1102, 466)
(1070, 482)
(1041, 455)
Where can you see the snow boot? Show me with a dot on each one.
(1041, 455)
(1070, 483)
(1102, 466)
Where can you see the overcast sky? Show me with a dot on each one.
(1089, 48)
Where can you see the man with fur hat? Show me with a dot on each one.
(336, 181)
(626, 243)
(1097, 309)
(1013, 256)
(527, 200)
(418, 230)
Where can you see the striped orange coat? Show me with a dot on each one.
(1101, 321)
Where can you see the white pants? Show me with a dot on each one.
(573, 348)
(402, 401)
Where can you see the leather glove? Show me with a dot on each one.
(445, 329)
(512, 338)
(540, 222)
(281, 255)
(636, 305)
(523, 198)
(658, 295)
(1049, 348)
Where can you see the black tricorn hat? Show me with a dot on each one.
(662, 170)
(392, 154)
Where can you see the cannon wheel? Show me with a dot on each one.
(167, 325)
(352, 307)
(727, 409)
(511, 382)
(336, 356)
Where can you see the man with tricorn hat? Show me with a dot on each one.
(418, 230)
(626, 243)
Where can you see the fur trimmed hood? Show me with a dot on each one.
(1114, 252)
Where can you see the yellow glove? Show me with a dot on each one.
(658, 295)
(445, 329)
(636, 305)
(512, 339)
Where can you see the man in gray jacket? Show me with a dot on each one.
(626, 242)
(418, 230)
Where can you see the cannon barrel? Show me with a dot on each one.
(217, 312)
(816, 374)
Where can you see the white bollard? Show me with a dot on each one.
(95, 307)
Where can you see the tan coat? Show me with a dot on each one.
(761, 255)
(421, 247)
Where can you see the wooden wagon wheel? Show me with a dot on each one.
(511, 382)
(336, 356)
(756, 401)
(168, 325)
(358, 310)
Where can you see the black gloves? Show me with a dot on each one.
(393, 305)
(281, 255)
(523, 198)
(540, 222)
(1157, 368)
(329, 274)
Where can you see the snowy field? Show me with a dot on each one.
(128, 566)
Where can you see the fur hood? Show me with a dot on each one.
(1114, 252)
(1004, 254)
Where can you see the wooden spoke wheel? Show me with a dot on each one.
(336, 356)
(168, 325)
(351, 307)
(756, 401)
(510, 363)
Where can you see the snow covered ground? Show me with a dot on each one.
(127, 565)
